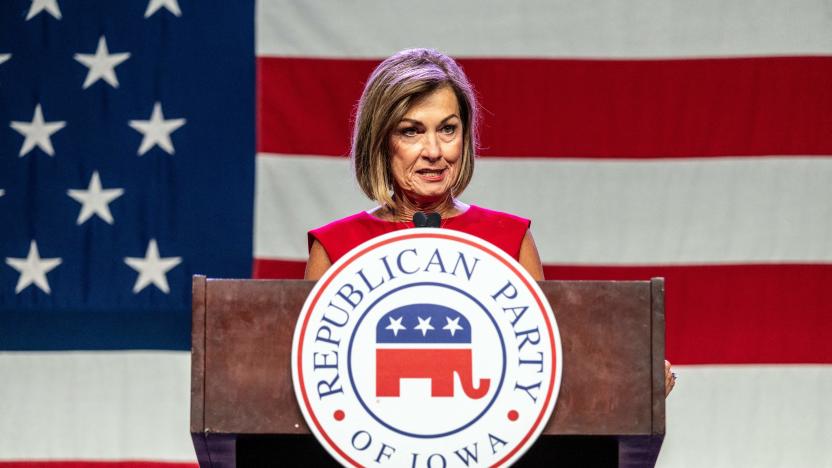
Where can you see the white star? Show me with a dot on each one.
(424, 325)
(5, 58)
(2, 192)
(154, 5)
(157, 130)
(37, 132)
(395, 325)
(102, 64)
(33, 269)
(452, 326)
(152, 269)
(51, 6)
(94, 200)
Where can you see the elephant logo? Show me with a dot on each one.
(441, 347)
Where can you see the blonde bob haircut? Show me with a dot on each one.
(394, 85)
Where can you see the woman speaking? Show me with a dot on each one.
(413, 152)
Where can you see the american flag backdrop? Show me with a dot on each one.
(144, 141)
(126, 166)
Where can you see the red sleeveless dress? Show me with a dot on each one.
(504, 230)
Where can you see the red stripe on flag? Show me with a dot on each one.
(278, 269)
(305, 106)
(716, 314)
(736, 314)
(579, 108)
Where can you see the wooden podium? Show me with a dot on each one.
(610, 411)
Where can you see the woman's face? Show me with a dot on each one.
(426, 147)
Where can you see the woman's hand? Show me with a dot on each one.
(669, 378)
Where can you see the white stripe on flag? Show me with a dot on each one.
(594, 212)
(749, 416)
(113, 405)
(543, 28)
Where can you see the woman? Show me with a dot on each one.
(413, 150)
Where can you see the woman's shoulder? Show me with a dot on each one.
(481, 213)
(341, 235)
(505, 230)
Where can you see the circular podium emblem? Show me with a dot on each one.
(426, 348)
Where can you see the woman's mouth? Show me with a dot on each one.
(432, 175)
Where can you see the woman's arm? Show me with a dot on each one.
(318, 262)
(530, 258)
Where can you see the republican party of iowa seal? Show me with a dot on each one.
(426, 348)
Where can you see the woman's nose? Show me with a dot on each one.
(432, 149)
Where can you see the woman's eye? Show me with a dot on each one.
(409, 131)
(449, 129)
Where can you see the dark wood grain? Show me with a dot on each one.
(657, 309)
(605, 333)
(249, 389)
(198, 354)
